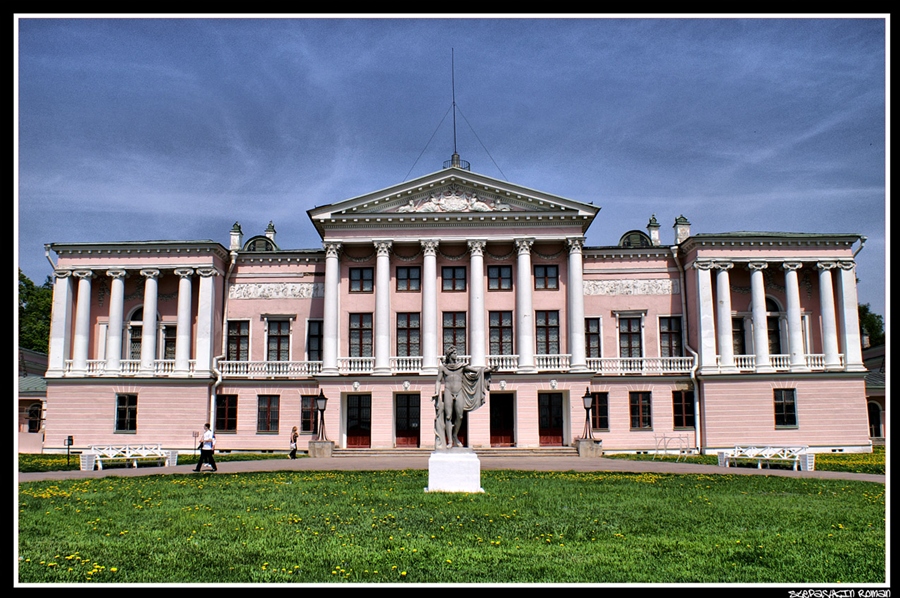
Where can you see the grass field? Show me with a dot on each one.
(381, 527)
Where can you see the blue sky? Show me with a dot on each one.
(175, 128)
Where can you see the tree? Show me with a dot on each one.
(872, 325)
(35, 305)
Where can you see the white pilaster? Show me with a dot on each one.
(829, 323)
(706, 318)
(148, 326)
(429, 308)
(382, 309)
(206, 321)
(723, 317)
(116, 320)
(575, 297)
(852, 344)
(758, 309)
(183, 328)
(794, 317)
(331, 315)
(476, 303)
(60, 324)
(82, 322)
(524, 309)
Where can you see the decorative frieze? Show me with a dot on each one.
(277, 290)
(656, 286)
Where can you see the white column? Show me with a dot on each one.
(758, 309)
(82, 322)
(382, 309)
(116, 320)
(575, 297)
(148, 326)
(60, 324)
(524, 309)
(829, 324)
(183, 328)
(850, 317)
(207, 318)
(723, 317)
(330, 317)
(476, 331)
(429, 308)
(706, 318)
(794, 317)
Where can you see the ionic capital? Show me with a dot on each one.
(723, 265)
(207, 272)
(184, 272)
(826, 265)
(703, 265)
(83, 273)
(150, 273)
(62, 273)
(846, 265)
(116, 273)
(757, 265)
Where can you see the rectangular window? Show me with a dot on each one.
(600, 411)
(126, 413)
(361, 280)
(639, 403)
(279, 341)
(134, 342)
(453, 278)
(774, 332)
(501, 332)
(546, 277)
(408, 335)
(455, 330)
(785, 407)
(547, 332)
(737, 336)
(226, 413)
(670, 337)
(409, 278)
(499, 278)
(683, 408)
(592, 337)
(267, 413)
(308, 415)
(238, 341)
(360, 335)
(169, 334)
(630, 337)
(314, 340)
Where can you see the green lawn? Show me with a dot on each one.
(381, 527)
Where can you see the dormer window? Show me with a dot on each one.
(635, 238)
(260, 244)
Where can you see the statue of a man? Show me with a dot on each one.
(465, 389)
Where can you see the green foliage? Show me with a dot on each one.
(35, 303)
(381, 527)
(872, 324)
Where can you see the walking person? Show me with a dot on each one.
(294, 436)
(207, 448)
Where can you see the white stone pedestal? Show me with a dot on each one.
(454, 470)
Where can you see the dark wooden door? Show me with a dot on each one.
(502, 422)
(406, 418)
(550, 418)
(359, 421)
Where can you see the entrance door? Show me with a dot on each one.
(359, 421)
(550, 418)
(406, 416)
(502, 422)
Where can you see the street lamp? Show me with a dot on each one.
(588, 401)
(321, 401)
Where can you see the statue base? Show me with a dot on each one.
(588, 447)
(320, 448)
(454, 470)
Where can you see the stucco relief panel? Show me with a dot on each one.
(660, 286)
(277, 290)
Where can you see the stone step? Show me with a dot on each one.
(550, 451)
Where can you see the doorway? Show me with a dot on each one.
(359, 421)
(550, 418)
(502, 419)
(406, 420)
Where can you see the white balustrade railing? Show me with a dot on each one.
(503, 363)
(647, 366)
(405, 364)
(356, 365)
(745, 363)
(269, 369)
(781, 363)
(129, 367)
(554, 363)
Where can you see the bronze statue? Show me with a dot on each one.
(465, 389)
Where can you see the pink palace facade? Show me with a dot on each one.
(717, 339)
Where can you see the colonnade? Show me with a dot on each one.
(74, 287)
(840, 319)
(477, 334)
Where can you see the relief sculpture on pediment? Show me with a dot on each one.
(453, 199)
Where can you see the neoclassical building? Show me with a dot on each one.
(709, 339)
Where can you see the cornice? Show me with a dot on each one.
(769, 240)
(140, 248)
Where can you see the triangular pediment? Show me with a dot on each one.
(453, 191)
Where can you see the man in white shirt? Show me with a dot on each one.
(207, 447)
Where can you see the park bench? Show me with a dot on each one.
(128, 455)
(798, 457)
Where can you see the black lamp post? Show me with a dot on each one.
(321, 401)
(588, 401)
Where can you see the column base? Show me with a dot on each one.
(381, 371)
(329, 372)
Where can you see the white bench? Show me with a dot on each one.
(797, 456)
(128, 455)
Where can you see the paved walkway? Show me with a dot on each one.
(522, 463)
